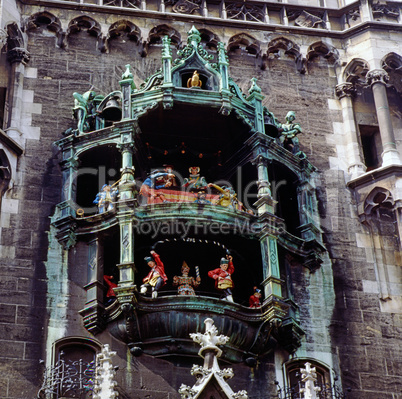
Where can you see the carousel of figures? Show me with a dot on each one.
(156, 181)
(185, 283)
(288, 134)
(156, 278)
(223, 277)
(106, 198)
(195, 181)
(254, 300)
(110, 294)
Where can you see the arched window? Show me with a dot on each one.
(294, 380)
(72, 372)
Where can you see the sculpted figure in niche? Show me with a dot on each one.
(185, 282)
(289, 131)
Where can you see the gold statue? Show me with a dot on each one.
(194, 81)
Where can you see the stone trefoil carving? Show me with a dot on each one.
(244, 12)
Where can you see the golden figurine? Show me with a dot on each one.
(194, 81)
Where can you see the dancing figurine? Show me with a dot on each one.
(106, 198)
(185, 282)
(254, 300)
(156, 278)
(223, 277)
(110, 294)
(156, 181)
(195, 182)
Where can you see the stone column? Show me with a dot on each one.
(18, 58)
(377, 79)
(126, 211)
(345, 92)
(268, 240)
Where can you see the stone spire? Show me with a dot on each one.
(104, 380)
(211, 380)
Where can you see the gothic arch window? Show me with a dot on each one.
(293, 375)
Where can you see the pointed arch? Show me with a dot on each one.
(84, 23)
(156, 34)
(245, 43)
(356, 71)
(209, 39)
(322, 49)
(378, 198)
(124, 28)
(44, 19)
(289, 48)
(392, 63)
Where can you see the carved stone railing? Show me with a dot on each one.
(264, 12)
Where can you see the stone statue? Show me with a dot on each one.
(289, 131)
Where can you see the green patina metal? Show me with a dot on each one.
(123, 120)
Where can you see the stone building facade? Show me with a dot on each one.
(327, 255)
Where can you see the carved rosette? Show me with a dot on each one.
(345, 90)
(377, 76)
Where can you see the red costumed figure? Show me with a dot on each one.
(110, 294)
(156, 278)
(223, 277)
(254, 300)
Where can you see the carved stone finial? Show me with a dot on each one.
(377, 76)
(104, 381)
(210, 339)
(309, 377)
